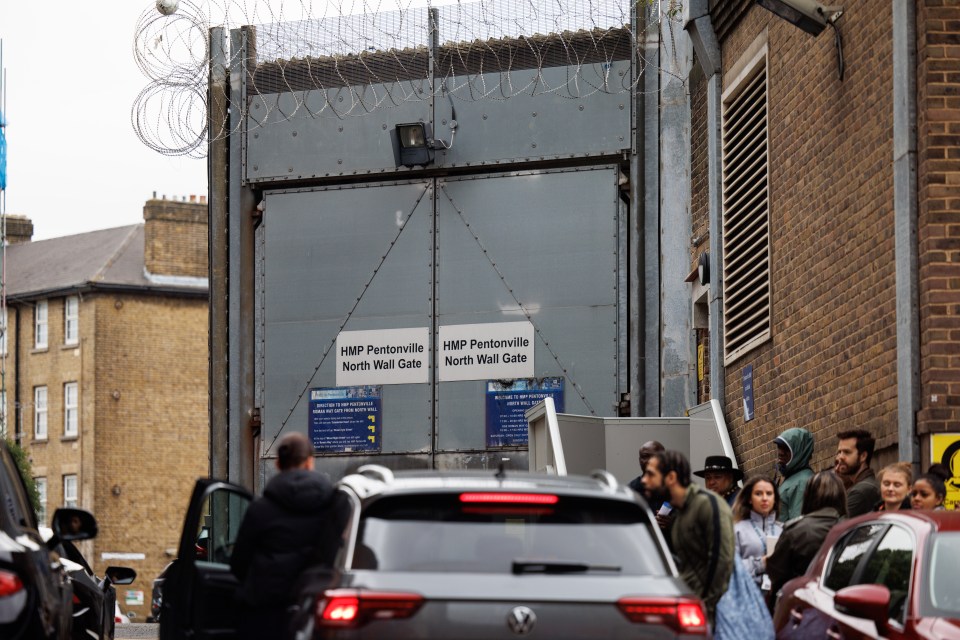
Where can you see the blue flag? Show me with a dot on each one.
(3, 154)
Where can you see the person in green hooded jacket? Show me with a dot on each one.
(794, 448)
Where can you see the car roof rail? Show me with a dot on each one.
(606, 477)
(376, 471)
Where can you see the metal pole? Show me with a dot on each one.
(217, 164)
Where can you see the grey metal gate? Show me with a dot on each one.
(540, 246)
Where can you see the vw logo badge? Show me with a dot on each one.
(521, 620)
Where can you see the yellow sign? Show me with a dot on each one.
(945, 449)
(700, 363)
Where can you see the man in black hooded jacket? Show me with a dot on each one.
(298, 523)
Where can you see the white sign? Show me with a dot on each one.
(494, 351)
(108, 555)
(383, 356)
(133, 598)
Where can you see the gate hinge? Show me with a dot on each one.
(255, 417)
(257, 213)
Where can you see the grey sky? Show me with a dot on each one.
(74, 162)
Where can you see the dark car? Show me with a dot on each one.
(455, 555)
(35, 593)
(156, 594)
(94, 599)
(881, 575)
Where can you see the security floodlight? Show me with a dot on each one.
(414, 144)
(809, 15)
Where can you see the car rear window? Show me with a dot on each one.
(487, 534)
(942, 595)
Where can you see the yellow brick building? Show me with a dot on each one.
(106, 378)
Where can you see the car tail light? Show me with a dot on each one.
(10, 584)
(683, 615)
(356, 607)
(509, 498)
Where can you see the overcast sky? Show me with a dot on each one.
(74, 162)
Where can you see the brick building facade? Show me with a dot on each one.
(829, 360)
(107, 376)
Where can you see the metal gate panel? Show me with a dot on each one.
(542, 246)
(302, 135)
(286, 140)
(344, 259)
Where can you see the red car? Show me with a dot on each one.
(881, 575)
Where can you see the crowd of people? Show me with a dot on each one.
(775, 524)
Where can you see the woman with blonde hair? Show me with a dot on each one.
(895, 480)
(755, 512)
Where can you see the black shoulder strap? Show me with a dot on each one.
(715, 550)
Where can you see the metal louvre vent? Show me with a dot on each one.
(746, 219)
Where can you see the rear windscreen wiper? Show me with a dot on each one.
(551, 566)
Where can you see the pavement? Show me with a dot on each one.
(137, 631)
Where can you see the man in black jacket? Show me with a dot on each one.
(298, 523)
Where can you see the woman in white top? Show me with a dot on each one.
(755, 515)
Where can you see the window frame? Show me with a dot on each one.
(41, 409)
(71, 409)
(3, 332)
(71, 320)
(41, 325)
(42, 491)
(76, 492)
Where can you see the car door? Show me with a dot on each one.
(199, 589)
(811, 610)
(889, 563)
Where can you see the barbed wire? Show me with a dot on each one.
(349, 58)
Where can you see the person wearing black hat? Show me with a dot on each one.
(720, 476)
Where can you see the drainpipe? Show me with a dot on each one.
(905, 222)
(705, 44)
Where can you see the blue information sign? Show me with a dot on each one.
(345, 419)
(507, 402)
(748, 393)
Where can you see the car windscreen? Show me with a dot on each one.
(448, 532)
(943, 567)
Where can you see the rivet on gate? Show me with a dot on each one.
(581, 107)
(484, 116)
(256, 135)
(534, 145)
(384, 127)
(534, 114)
(339, 161)
(621, 107)
(340, 129)
(294, 134)
(256, 168)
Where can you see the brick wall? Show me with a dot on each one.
(938, 159)
(52, 367)
(831, 362)
(699, 205)
(175, 237)
(152, 427)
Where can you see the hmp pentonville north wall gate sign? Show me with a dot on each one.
(495, 351)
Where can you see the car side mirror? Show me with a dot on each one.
(73, 524)
(120, 575)
(868, 601)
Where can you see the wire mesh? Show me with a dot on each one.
(347, 58)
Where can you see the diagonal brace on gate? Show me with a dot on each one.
(523, 309)
(346, 319)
